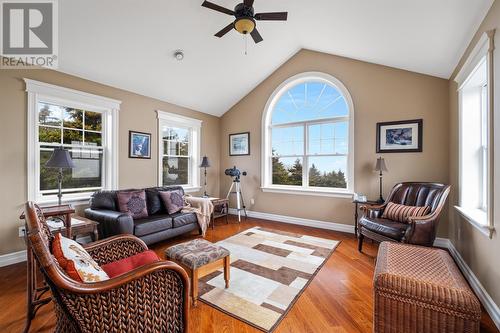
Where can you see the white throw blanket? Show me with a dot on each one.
(203, 208)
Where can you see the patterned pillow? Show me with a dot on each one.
(75, 261)
(401, 213)
(173, 200)
(133, 203)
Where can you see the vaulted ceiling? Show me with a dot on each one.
(129, 44)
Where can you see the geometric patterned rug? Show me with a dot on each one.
(269, 271)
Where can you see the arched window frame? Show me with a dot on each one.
(266, 158)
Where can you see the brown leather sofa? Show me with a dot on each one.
(419, 230)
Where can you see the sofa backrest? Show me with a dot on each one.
(108, 199)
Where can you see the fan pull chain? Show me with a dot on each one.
(245, 36)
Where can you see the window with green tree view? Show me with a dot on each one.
(308, 135)
(79, 131)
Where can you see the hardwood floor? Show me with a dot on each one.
(339, 299)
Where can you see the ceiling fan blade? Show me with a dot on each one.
(277, 16)
(248, 3)
(218, 8)
(225, 30)
(257, 38)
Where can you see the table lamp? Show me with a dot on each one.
(205, 164)
(381, 167)
(60, 159)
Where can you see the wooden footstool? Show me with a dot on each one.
(199, 258)
(420, 290)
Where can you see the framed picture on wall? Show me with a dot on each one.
(139, 144)
(400, 136)
(239, 144)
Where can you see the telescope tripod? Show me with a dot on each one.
(240, 203)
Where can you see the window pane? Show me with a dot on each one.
(175, 171)
(176, 134)
(72, 137)
(328, 171)
(287, 171)
(288, 141)
(49, 134)
(49, 114)
(72, 118)
(86, 174)
(92, 137)
(93, 121)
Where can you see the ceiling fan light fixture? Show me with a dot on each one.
(244, 25)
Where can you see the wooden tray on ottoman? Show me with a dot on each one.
(420, 289)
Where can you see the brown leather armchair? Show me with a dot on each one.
(152, 298)
(419, 230)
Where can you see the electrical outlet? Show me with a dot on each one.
(22, 231)
(252, 201)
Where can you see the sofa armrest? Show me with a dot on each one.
(111, 222)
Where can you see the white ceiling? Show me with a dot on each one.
(129, 44)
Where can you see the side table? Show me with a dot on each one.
(84, 226)
(223, 205)
(356, 209)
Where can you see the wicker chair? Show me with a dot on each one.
(151, 298)
(418, 230)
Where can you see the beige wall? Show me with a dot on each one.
(137, 113)
(479, 252)
(380, 94)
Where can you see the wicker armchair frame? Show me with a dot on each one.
(151, 298)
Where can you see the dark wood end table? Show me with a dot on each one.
(223, 205)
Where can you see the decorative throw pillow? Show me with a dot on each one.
(133, 203)
(75, 261)
(401, 213)
(173, 200)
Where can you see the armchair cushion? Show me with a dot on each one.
(401, 213)
(75, 261)
(125, 265)
(389, 228)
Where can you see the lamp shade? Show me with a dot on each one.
(380, 165)
(60, 159)
(205, 163)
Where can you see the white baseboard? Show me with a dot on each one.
(297, 220)
(12, 258)
(488, 303)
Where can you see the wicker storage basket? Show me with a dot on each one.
(419, 289)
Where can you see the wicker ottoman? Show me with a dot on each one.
(199, 258)
(419, 289)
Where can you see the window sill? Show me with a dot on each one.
(314, 192)
(191, 189)
(477, 218)
(79, 200)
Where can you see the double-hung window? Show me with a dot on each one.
(475, 129)
(179, 151)
(308, 137)
(85, 125)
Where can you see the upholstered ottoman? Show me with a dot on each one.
(199, 258)
(419, 289)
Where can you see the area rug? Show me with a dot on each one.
(269, 271)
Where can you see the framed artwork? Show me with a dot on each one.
(239, 144)
(400, 136)
(139, 145)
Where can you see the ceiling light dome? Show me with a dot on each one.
(244, 25)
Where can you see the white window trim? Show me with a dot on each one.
(266, 182)
(37, 91)
(482, 220)
(172, 119)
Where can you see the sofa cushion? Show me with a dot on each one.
(181, 219)
(401, 213)
(75, 261)
(152, 224)
(125, 265)
(133, 203)
(173, 200)
(104, 200)
(154, 201)
(386, 227)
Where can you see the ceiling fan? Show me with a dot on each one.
(245, 18)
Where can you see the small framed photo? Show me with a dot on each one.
(139, 145)
(239, 144)
(400, 136)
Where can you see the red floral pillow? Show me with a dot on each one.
(133, 203)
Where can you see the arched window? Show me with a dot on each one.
(308, 137)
